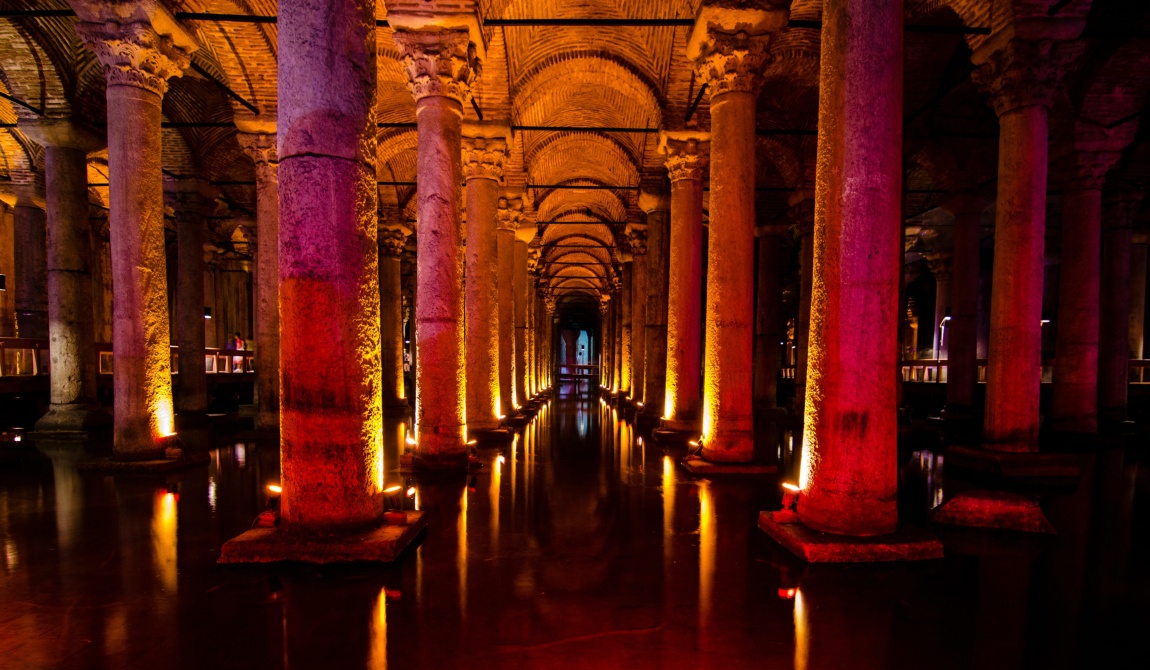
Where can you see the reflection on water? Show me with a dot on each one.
(802, 634)
(164, 526)
(377, 659)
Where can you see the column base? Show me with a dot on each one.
(73, 420)
(993, 509)
(905, 544)
(1013, 464)
(187, 459)
(382, 544)
(697, 465)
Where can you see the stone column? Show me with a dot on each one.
(626, 319)
(638, 237)
(961, 330)
(848, 476)
(8, 268)
(392, 242)
(657, 207)
(1021, 78)
(769, 326)
(1074, 403)
(484, 150)
(803, 214)
(509, 213)
(686, 160)
(138, 60)
(941, 265)
(31, 225)
(604, 338)
(1113, 345)
(1137, 329)
(258, 140)
(72, 334)
(550, 305)
(520, 289)
(730, 50)
(440, 70)
(331, 421)
(617, 329)
(191, 199)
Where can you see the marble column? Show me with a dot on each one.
(769, 326)
(509, 214)
(604, 338)
(192, 201)
(331, 419)
(1137, 328)
(1021, 78)
(257, 138)
(138, 61)
(392, 242)
(626, 320)
(440, 69)
(31, 225)
(638, 237)
(484, 150)
(730, 51)
(848, 477)
(1074, 402)
(7, 268)
(961, 329)
(941, 264)
(1113, 344)
(803, 216)
(520, 289)
(71, 326)
(617, 321)
(686, 160)
(657, 207)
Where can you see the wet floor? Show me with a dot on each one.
(579, 546)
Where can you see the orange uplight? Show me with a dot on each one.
(787, 594)
(410, 440)
(393, 489)
(275, 488)
(472, 443)
(791, 487)
(410, 491)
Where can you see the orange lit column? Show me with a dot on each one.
(729, 50)
(190, 200)
(258, 140)
(617, 330)
(520, 289)
(439, 69)
(1021, 78)
(69, 282)
(961, 335)
(137, 62)
(549, 304)
(331, 423)
(686, 160)
(627, 315)
(638, 237)
(1074, 403)
(849, 471)
(657, 207)
(604, 339)
(509, 214)
(1113, 349)
(484, 150)
(392, 242)
(769, 315)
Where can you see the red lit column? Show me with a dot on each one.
(730, 50)
(769, 315)
(392, 243)
(961, 330)
(137, 61)
(190, 200)
(30, 224)
(331, 423)
(849, 472)
(69, 281)
(686, 161)
(1021, 78)
(439, 69)
(1113, 345)
(1074, 404)
(509, 214)
(638, 237)
(484, 150)
(258, 140)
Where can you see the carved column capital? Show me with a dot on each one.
(260, 148)
(550, 303)
(637, 234)
(134, 53)
(392, 239)
(1024, 73)
(438, 63)
(1087, 170)
(731, 63)
(509, 214)
(483, 158)
(687, 153)
(941, 264)
(192, 198)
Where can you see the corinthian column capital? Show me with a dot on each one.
(483, 156)
(509, 214)
(1024, 73)
(730, 43)
(438, 63)
(260, 148)
(687, 153)
(138, 43)
(393, 239)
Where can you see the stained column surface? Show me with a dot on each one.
(1113, 350)
(961, 336)
(31, 226)
(260, 147)
(768, 316)
(849, 475)
(520, 289)
(1137, 328)
(658, 257)
(331, 420)
(483, 169)
(137, 63)
(686, 160)
(392, 240)
(190, 208)
(509, 215)
(638, 312)
(626, 331)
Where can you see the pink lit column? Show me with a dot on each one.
(483, 169)
(392, 242)
(638, 236)
(849, 472)
(331, 423)
(961, 335)
(439, 70)
(137, 63)
(1021, 78)
(657, 207)
(686, 160)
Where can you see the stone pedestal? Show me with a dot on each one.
(392, 242)
(657, 207)
(191, 200)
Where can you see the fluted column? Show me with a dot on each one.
(440, 69)
(191, 200)
(1113, 345)
(1074, 402)
(258, 140)
(1021, 78)
(484, 150)
(729, 51)
(71, 328)
(137, 60)
(687, 155)
(509, 214)
(941, 264)
(961, 330)
(30, 223)
(638, 237)
(769, 327)
(392, 242)
(657, 207)
(848, 477)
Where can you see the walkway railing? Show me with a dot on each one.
(933, 371)
(572, 372)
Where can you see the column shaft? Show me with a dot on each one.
(519, 286)
(505, 302)
(8, 267)
(658, 258)
(803, 319)
(30, 223)
(192, 391)
(684, 296)
(638, 323)
(392, 240)
(961, 330)
(768, 319)
(1114, 354)
(483, 408)
(626, 344)
(267, 295)
(1137, 327)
